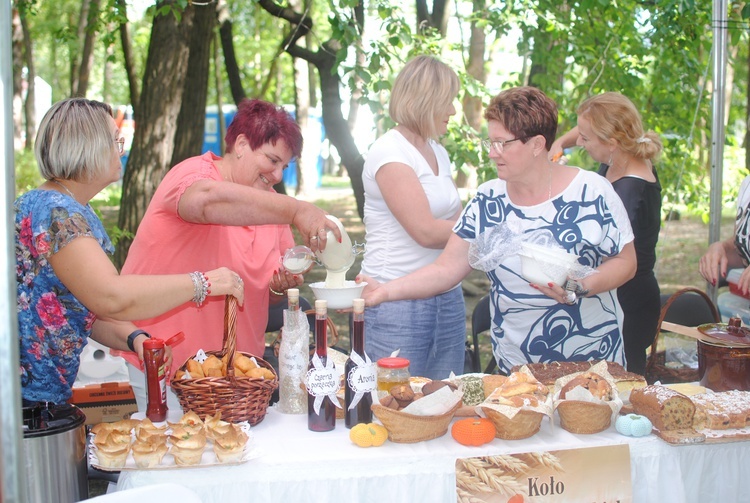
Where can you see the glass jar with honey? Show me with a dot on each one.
(392, 371)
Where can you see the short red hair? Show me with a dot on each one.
(263, 122)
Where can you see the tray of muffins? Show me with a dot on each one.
(188, 441)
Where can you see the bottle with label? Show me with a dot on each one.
(294, 357)
(156, 379)
(360, 374)
(322, 377)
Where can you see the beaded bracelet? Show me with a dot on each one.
(200, 286)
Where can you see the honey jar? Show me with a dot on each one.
(392, 371)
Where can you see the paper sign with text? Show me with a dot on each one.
(587, 475)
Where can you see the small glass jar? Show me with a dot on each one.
(392, 371)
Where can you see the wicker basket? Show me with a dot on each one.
(407, 428)
(523, 425)
(237, 398)
(656, 367)
(584, 417)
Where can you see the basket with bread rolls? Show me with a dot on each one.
(236, 384)
(414, 416)
(587, 402)
(517, 406)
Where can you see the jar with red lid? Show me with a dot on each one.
(392, 371)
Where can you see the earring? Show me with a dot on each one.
(609, 163)
(239, 156)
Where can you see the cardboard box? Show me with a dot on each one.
(105, 403)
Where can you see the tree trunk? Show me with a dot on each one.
(83, 17)
(548, 55)
(129, 60)
(29, 107)
(307, 175)
(192, 118)
(357, 83)
(437, 19)
(219, 94)
(230, 58)
(336, 126)
(87, 55)
(159, 108)
(17, 54)
(472, 105)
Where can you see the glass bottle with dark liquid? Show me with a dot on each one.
(360, 374)
(322, 378)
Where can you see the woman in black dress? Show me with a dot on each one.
(610, 129)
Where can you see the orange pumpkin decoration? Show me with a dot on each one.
(473, 431)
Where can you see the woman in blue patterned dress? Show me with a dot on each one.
(67, 287)
(575, 209)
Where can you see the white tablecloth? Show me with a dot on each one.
(298, 465)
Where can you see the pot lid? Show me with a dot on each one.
(732, 333)
(44, 419)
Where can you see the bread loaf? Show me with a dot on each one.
(667, 409)
(548, 373)
(721, 411)
(594, 383)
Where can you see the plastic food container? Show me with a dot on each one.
(392, 371)
(733, 278)
(541, 265)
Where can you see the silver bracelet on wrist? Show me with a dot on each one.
(200, 286)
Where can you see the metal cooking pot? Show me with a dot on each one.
(54, 441)
(724, 356)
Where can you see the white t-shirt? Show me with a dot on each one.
(390, 252)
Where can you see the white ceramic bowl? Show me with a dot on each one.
(541, 265)
(338, 298)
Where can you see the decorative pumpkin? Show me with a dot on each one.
(633, 425)
(473, 431)
(368, 434)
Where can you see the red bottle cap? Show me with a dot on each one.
(393, 362)
(153, 343)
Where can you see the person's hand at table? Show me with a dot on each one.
(374, 292)
(313, 225)
(281, 281)
(224, 281)
(718, 258)
(556, 293)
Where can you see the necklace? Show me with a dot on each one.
(64, 187)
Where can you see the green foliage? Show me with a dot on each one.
(27, 172)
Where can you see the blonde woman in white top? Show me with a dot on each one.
(411, 205)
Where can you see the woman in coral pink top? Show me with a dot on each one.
(203, 213)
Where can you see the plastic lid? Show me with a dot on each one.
(393, 362)
(358, 305)
(732, 334)
(321, 306)
(733, 276)
(153, 343)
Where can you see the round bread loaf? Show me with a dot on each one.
(596, 384)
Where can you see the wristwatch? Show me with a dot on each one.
(133, 335)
